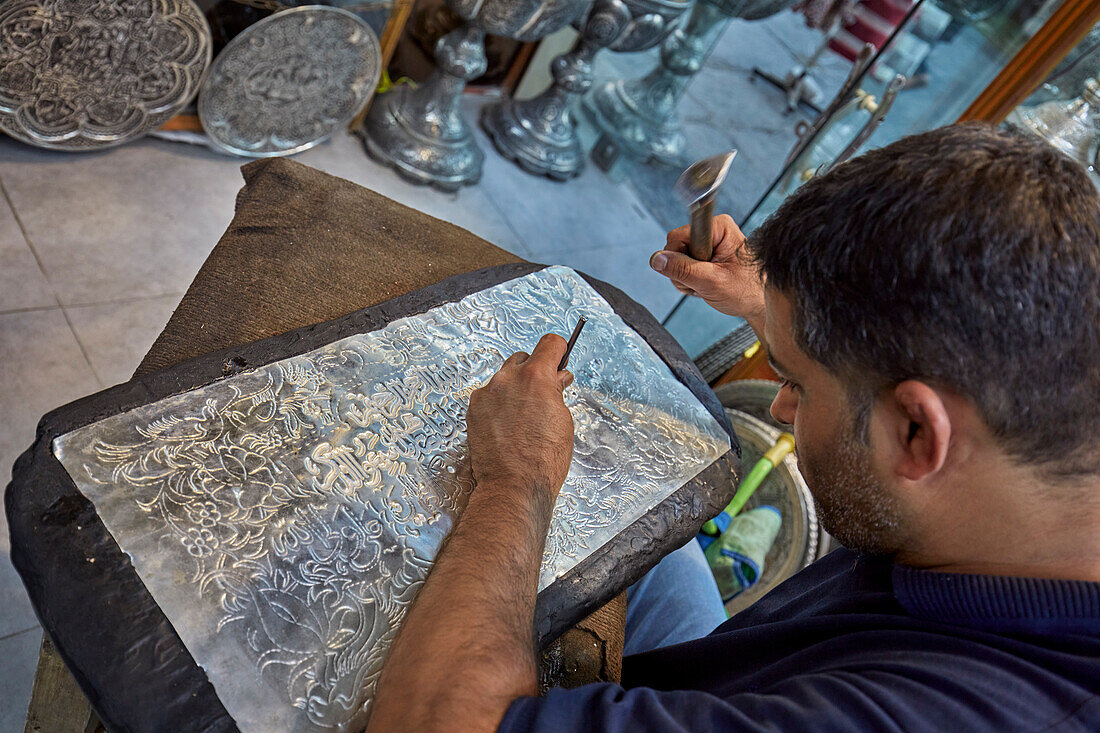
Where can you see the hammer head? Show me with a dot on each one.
(703, 179)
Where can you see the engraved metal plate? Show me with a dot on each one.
(83, 74)
(284, 518)
(289, 81)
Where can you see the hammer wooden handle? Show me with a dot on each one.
(700, 245)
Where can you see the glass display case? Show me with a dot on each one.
(952, 54)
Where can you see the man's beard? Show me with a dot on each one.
(851, 504)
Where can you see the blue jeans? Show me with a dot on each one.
(676, 601)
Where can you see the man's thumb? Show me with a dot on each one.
(681, 268)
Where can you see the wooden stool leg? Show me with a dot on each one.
(591, 651)
(57, 704)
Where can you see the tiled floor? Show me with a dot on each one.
(97, 248)
(20, 655)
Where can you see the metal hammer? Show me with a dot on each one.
(698, 186)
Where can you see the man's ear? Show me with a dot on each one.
(921, 430)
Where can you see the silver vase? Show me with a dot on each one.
(539, 134)
(639, 116)
(420, 132)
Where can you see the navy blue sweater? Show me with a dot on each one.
(858, 643)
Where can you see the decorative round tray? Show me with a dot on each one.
(289, 81)
(800, 538)
(752, 396)
(89, 74)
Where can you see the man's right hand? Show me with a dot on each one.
(519, 430)
(730, 282)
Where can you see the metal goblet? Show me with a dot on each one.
(420, 132)
(639, 116)
(539, 134)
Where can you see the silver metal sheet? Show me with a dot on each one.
(284, 518)
(289, 81)
(84, 74)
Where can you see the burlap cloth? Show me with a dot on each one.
(306, 247)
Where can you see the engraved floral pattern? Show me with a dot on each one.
(283, 518)
(77, 74)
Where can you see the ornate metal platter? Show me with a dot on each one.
(290, 80)
(83, 74)
(283, 518)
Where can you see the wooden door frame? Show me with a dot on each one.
(1034, 62)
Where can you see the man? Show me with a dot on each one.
(933, 308)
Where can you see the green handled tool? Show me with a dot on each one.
(783, 445)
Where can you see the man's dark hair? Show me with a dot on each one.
(965, 256)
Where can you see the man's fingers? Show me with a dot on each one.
(725, 226)
(684, 271)
(728, 238)
(517, 358)
(548, 352)
(565, 378)
(677, 239)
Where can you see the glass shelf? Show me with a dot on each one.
(950, 50)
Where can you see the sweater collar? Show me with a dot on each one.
(1000, 604)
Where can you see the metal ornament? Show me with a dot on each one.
(284, 518)
(539, 134)
(421, 133)
(82, 75)
(289, 81)
(1073, 127)
(639, 115)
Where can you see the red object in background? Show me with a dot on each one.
(872, 21)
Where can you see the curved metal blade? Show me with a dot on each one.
(704, 178)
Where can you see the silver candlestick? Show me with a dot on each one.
(539, 134)
(420, 132)
(639, 116)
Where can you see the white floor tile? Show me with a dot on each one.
(469, 208)
(116, 336)
(20, 659)
(132, 221)
(587, 211)
(22, 284)
(41, 367)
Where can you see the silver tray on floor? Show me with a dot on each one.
(753, 397)
(289, 81)
(82, 75)
(799, 540)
